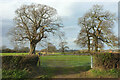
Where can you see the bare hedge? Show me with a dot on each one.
(107, 60)
(19, 62)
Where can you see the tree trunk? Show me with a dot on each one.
(88, 44)
(32, 48)
(63, 50)
(96, 44)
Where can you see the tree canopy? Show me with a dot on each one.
(96, 28)
(34, 23)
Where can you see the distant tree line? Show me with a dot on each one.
(52, 48)
(4, 49)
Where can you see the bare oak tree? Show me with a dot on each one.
(97, 24)
(35, 22)
(102, 25)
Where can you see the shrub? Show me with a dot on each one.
(19, 62)
(107, 60)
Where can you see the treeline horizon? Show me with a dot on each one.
(8, 50)
(26, 50)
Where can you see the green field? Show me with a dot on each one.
(6, 54)
(65, 61)
(13, 54)
(53, 66)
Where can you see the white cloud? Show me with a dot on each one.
(63, 6)
(0, 32)
(74, 0)
(8, 8)
(71, 28)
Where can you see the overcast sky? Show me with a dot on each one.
(69, 12)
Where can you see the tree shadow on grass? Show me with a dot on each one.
(54, 71)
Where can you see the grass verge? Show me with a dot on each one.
(99, 73)
(14, 73)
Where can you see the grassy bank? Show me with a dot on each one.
(99, 73)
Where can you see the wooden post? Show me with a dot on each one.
(39, 58)
(91, 61)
